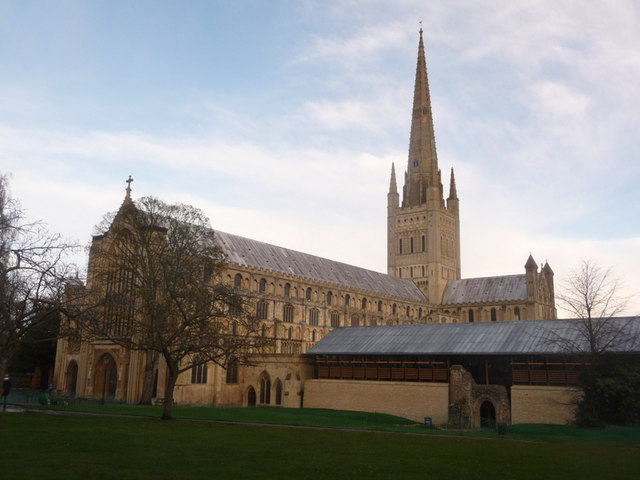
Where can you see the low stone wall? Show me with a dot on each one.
(542, 404)
(409, 400)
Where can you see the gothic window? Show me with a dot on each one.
(237, 280)
(347, 300)
(329, 297)
(232, 371)
(261, 310)
(400, 246)
(516, 313)
(313, 317)
(379, 305)
(265, 389)
(314, 336)
(420, 312)
(411, 245)
(471, 316)
(408, 311)
(262, 287)
(494, 315)
(423, 273)
(287, 313)
(307, 294)
(364, 304)
(424, 243)
(355, 321)
(290, 333)
(394, 309)
(335, 319)
(235, 307)
(278, 387)
(287, 290)
(199, 374)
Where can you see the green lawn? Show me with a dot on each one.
(37, 445)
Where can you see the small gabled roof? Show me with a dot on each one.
(504, 288)
(533, 337)
(246, 252)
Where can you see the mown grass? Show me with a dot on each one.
(611, 436)
(38, 445)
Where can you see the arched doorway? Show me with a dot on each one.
(106, 377)
(251, 397)
(71, 378)
(487, 415)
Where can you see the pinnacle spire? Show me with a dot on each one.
(393, 184)
(453, 192)
(422, 171)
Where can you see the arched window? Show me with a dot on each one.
(307, 294)
(408, 311)
(379, 305)
(265, 389)
(516, 313)
(494, 315)
(420, 312)
(262, 309)
(262, 286)
(347, 300)
(289, 333)
(400, 246)
(329, 297)
(278, 388)
(313, 336)
(424, 243)
(394, 309)
(199, 374)
(287, 290)
(411, 247)
(232, 371)
(355, 321)
(470, 316)
(335, 319)
(287, 313)
(364, 304)
(237, 280)
(314, 313)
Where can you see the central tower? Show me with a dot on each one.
(423, 231)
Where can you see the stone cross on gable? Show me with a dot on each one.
(128, 182)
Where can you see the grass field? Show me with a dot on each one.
(52, 446)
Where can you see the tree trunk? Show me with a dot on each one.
(172, 377)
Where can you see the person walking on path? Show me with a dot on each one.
(6, 388)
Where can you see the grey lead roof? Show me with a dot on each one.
(486, 290)
(252, 253)
(501, 338)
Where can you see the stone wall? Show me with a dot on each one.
(409, 400)
(542, 404)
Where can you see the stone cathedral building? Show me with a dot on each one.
(299, 298)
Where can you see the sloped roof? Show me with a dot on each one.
(246, 252)
(503, 288)
(533, 337)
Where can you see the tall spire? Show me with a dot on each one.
(422, 171)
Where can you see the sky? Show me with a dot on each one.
(280, 119)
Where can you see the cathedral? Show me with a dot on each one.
(300, 298)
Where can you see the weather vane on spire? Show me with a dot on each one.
(128, 182)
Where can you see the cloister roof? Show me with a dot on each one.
(532, 337)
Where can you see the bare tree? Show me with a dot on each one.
(156, 275)
(609, 383)
(593, 295)
(33, 272)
